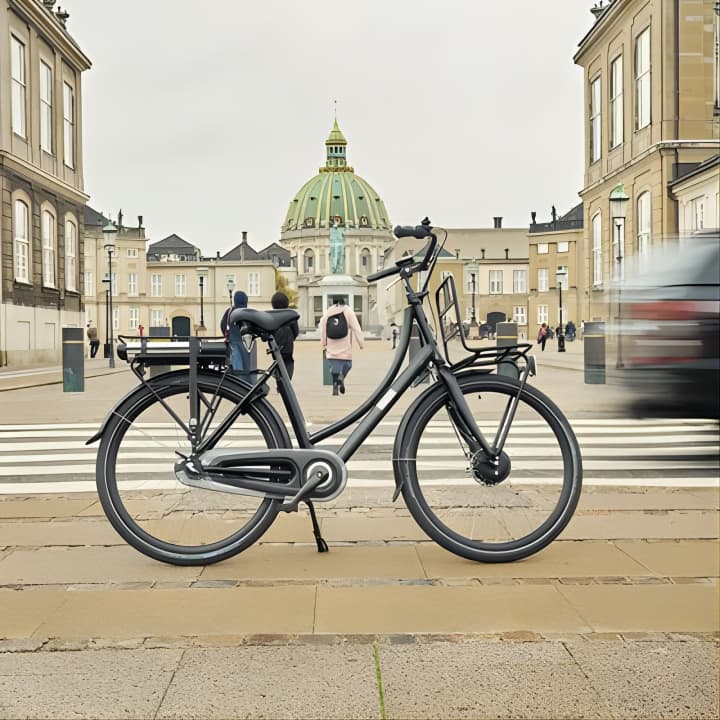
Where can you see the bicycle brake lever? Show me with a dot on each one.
(396, 280)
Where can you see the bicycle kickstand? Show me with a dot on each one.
(321, 544)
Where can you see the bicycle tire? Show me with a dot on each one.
(157, 515)
(475, 520)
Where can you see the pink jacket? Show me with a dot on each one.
(341, 348)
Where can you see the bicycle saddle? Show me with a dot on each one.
(267, 320)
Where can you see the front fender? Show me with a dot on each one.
(158, 379)
(399, 459)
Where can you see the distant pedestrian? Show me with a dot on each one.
(394, 335)
(542, 335)
(337, 328)
(239, 355)
(93, 337)
(285, 336)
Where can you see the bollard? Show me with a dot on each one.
(413, 350)
(594, 349)
(506, 334)
(73, 359)
(159, 331)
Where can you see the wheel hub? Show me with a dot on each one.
(488, 470)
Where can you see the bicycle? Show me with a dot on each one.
(211, 488)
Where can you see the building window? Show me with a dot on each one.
(116, 318)
(89, 285)
(596, 250)
(520, 314)
(595, 120)
(317, 310)
(519, 281)
(17, 73)
(21, 241)
(542, 314)
(113, 284)
(642, 80)
(542, 248)
(132, 252)
(496, 282)
(563, 246)
(156, 318)
(46, 114)
(542, 280)
(698, 212)
(70, 255)
(48, 246)
(365, 261)
(309, 261)
(616, 102)
(155, 285)
(180, 286)
(133, 318)
(254, 284)
(69, 125)
(643, 224)
(132, 284)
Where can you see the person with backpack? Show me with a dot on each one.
(239, 355)
(337, 328)
(285, 336)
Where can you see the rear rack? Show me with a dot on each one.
(171, 351)
(448, 309)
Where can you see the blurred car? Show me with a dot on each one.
(670, 332)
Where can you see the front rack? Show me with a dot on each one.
(171, 351)
(448, 308)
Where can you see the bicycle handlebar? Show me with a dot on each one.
(420, 232)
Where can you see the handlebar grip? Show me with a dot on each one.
(383, 273)
(417, 231)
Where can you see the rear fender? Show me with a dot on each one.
(161, 380)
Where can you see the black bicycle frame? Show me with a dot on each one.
(376, 407)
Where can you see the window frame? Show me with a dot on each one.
(132, 284)
(617, 111)
(596, 249)
(643, 210)
(71, 245)
(520, 314)
(542, 314)
(643, 81)
(543, 281)
(595, 116)
(180, 285)
(48, 234)
(156, 285)
(520, 284)
(495, 282)
(68, 125)
(18, 82)
(253, 284)
(46, 108)
(22, 243)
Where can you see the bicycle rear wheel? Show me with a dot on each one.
(138, 489)
(500, 522)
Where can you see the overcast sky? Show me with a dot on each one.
(206, 117)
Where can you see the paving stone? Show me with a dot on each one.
(691, 558)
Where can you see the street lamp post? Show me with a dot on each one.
(109, 232)
(618, 211)
(472, 269)
(560, 278)
(202, 272)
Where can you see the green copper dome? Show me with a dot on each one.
(336, 192)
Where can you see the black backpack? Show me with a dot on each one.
(337, 326)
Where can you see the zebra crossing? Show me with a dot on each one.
(53, 458)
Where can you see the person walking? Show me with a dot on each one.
(542, 336)
(239, 355)
(337, 328)
(285, 336)
(93, 337)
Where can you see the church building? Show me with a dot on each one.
(337, 231)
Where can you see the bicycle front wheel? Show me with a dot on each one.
(445, 487)
(136, 482)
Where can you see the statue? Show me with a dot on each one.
(337, 248)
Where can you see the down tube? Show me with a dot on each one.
(385, 403)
